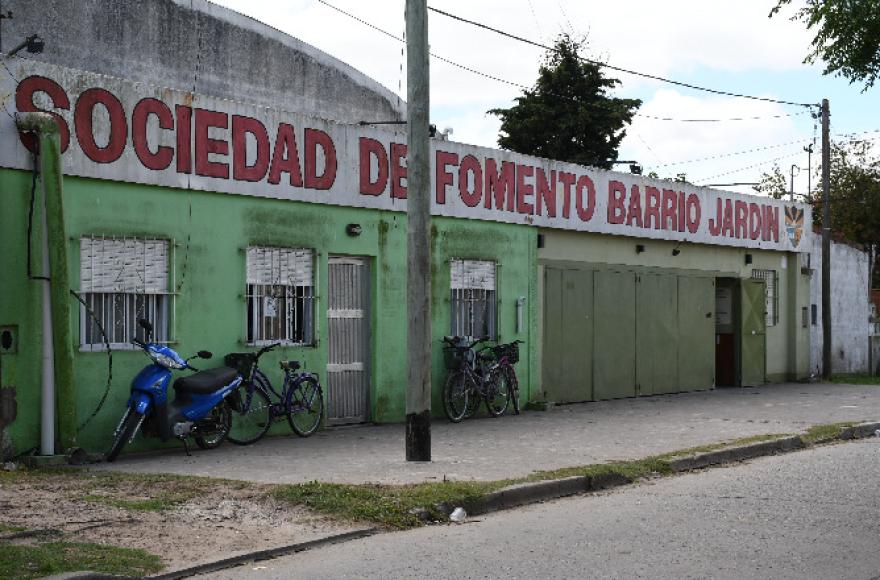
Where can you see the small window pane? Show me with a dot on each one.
(772, 297)
(280, 296)
(123, 280)
(473, 298)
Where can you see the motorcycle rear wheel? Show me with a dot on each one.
(126, 432)
(221, 416)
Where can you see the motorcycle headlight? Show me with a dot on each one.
(164, 360)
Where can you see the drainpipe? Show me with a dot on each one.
(57, 377)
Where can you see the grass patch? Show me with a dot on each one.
(855, 380)
(629, 469)
(820, 433)
(10, 529)
(26, 562)
(164, 501)
(387, 505)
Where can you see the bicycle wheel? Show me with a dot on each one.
(456, 392)
(252, 422)
(513, 388)
(497, 391)
(305, 406)
(475, 397)
(213, 429)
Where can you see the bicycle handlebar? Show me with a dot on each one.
(453, 342)
(266, 349)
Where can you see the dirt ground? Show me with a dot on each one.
(184, 521)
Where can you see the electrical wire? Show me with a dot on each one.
(528, 88)
(734, 153)
(615, 68)
(761, 117)
(762, 163)
(106, 339)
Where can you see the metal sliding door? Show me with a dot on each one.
(348, 327)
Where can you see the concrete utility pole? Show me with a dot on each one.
(418, 215)
(826, 241)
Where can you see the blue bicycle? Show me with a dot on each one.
(257, 404)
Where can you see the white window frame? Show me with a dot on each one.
(280, 277)
(123, 279)
(473, 283)
(771, 298)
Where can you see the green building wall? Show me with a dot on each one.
(210, 232)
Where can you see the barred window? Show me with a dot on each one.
(122, 280)
(473, 298)
(280, 296)
(772, 296)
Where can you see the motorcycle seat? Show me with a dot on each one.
(205, 382)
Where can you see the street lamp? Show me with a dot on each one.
(634, 166)
(809, 150)
(793, 167)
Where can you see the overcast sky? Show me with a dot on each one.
(731, 46)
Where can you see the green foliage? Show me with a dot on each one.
(847, 36)
(23, 562)
(773, 184)
(855, 195)
(568, 115)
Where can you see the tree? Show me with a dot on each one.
(568, 114)
(847, 36)
(855, 197)
(772, 184)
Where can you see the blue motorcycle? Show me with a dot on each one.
(198, 410)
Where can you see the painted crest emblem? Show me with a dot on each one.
(794, 224)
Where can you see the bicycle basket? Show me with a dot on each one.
(452, 356)
(242, 362)
(511, 351)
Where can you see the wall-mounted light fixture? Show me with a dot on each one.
(675, 251)
(748, 259)
(353, 230)
(640, 248)
(33, 43)
(520, 307)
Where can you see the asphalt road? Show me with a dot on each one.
(810, 514)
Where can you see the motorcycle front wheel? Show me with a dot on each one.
(125, 433)
(214, 428)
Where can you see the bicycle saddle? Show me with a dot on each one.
(289, 365)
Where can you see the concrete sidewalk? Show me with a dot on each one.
(513, 446)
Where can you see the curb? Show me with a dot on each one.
(735, 454)
(228, 562)
(536, 492)
(266, 554)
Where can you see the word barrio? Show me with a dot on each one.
(114, 129)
